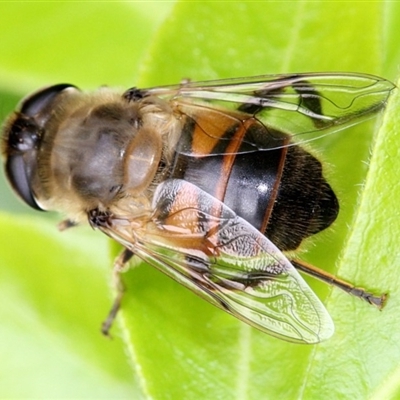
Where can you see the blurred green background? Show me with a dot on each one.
(54, 288)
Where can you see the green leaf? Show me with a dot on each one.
(88, 44)
(53, 293)
(195, 350)
(53, 286)
(369, 355)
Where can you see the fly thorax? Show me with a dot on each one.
(89, 152)
(141, 161)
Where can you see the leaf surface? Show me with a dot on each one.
(54, 293)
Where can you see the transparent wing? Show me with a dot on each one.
(205, 246)
(302, 106)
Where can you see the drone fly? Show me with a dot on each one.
(206, 181)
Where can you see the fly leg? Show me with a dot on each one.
(66, 224)
(120, 265)
(103, 220)
(375, 300)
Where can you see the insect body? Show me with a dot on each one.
(205, 181)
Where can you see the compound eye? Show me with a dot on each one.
(19, 180)
(23, 141)
(24, 136)
(41, 100)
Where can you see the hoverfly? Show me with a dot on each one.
(206, 181)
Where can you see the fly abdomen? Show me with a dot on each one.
(305, 203)
(279, 189)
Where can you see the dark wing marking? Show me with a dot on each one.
(302, 106)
